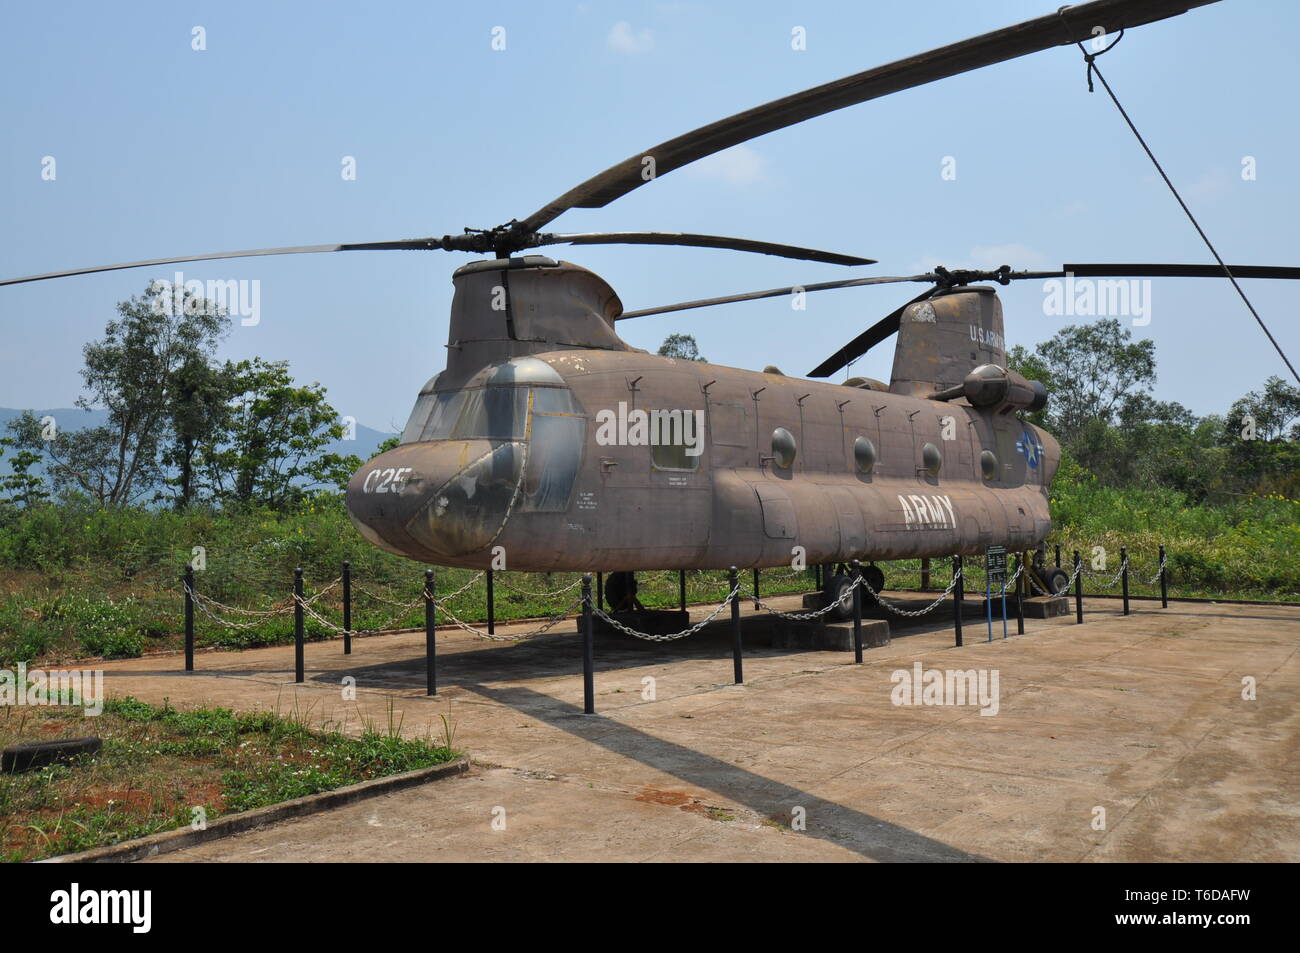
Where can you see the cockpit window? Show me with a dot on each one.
(420, 415)
(480, 413)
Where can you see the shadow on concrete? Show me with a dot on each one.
(861, 833)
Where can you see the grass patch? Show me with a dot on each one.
(159, 764)
(80, 582)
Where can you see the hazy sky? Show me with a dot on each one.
(160, 149)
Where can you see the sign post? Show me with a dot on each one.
(995, 574)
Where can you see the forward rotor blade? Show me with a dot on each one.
(703, 241)
(771, 293)
(867, 339)
(411, 244)
(1069, 25)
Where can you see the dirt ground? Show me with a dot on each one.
(1126, 738)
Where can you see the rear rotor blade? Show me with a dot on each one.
(1068, 25)
(412, 244)
(1177, 271)
(771, 293)
(867, 339)
(702, 241)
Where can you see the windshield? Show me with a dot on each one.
(494, 412)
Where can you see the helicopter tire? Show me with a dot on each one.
(874, 577)
(1058, 581)
(836, 589)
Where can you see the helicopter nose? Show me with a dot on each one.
(436, 501)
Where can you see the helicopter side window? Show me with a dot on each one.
(672, 456)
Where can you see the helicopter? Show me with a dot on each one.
(548, 443)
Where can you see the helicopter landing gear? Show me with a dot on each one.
(874, 577)
(839, 582)
(620, 593)
(1058, 581)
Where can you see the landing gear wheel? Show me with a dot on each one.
(1058, 581)
(837, 587)
(874, 577)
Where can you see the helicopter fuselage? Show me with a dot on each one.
(584, 458)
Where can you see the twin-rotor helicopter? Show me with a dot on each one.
(548, 438)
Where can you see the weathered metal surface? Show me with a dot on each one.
(558, 473)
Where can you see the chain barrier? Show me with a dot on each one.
(377, 597)
(201, 603)
(338, 629)
(915, 613)
(538, 595)
(493, 637)
(211, 608)
(260, 616)
(673, 636)
(812, 613)
(1114, 579)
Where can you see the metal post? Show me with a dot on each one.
(736, 647)
(347, 607)
(297, 626)
(1004, 605)
(588, 659)
(600, 588)
(681, 589)
(492, 604)
(1021, 563)
(189, 618)
(1058, 555)
(1078, 590)
(1164, 581)
(925, 573)
(1123, 572)
(755, 584)
(430, 640)
(857, 612)
(988, 600)
(956, 597)
(817, 576)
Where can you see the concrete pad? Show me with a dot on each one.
(1142, 717)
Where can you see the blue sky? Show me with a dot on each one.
(161, 149)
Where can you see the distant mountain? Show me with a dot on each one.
(71, 418)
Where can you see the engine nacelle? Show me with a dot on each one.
(989, 386)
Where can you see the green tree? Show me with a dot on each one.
(133, 373)
(272, 453)
(1094, 368)
(199, 415)
(1261, 436)
(387, 445)
(682, 347)
(1096, 372)
(21, 487)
